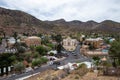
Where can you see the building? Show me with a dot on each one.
(97, 53)
(12, 41)
(69, 44)
(96, 42)
(82, 38)
(32, 41)
(83, 49)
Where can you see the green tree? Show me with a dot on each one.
(115, 51)
(52, 46)
(15, 35)
(36, 55)
(45, 40)
(83, 65)
(6, 59)
(36, 62)
(59, 48)
(3, 33)
(41, 50)
(39, 35)
(19, 67)
(58, 38)
(21, 49)
(32, 48)
(43, 60)
(96, 60)
(0, 40)
(91, 46)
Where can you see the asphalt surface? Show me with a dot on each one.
(75, 56)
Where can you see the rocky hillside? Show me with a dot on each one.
(14, 20)
(105, 26)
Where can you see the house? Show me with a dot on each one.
(69, 44)
(83, 49)
(97, 53)
(33, 41)
(5, 47)
(52, 51)
(11, 41)
(96, 42)
(111, 40)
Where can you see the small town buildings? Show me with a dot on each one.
(69, 44)
(5, 47)
(33, 41)
(96, 42)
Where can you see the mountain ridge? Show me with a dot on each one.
(15, 20)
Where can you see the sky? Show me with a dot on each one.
(83, 10)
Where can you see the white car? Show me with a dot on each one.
(28, 69)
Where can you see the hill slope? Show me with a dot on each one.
(105, 26)
(14, 20)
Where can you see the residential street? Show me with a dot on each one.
(73, 57)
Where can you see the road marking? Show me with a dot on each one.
(22, 78)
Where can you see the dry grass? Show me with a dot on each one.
(49, 75)
(74, 75)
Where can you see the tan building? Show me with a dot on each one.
(84, 49)
(69, 44)
(96, 42)
(96, 53)
(100, 52)
(33, 41)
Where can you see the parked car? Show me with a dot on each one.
(52, 59)
(56, 62)
(73, 52)
(28, 69)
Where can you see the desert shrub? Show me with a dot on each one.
(55, 78)
(51, 54)
(76, 77)
(43, 60)
(36, 62)
(81, 70)
(41, 50)
(82, 65)
(19, 66)
(36, 55)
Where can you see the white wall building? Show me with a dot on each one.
(69, 44)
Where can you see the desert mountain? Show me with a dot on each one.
(14, 20)
(106, 26)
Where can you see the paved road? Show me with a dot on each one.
(77, 58)
(71, 58)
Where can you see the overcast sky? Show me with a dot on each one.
(82, 10)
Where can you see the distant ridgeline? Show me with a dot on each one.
(25, 23)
